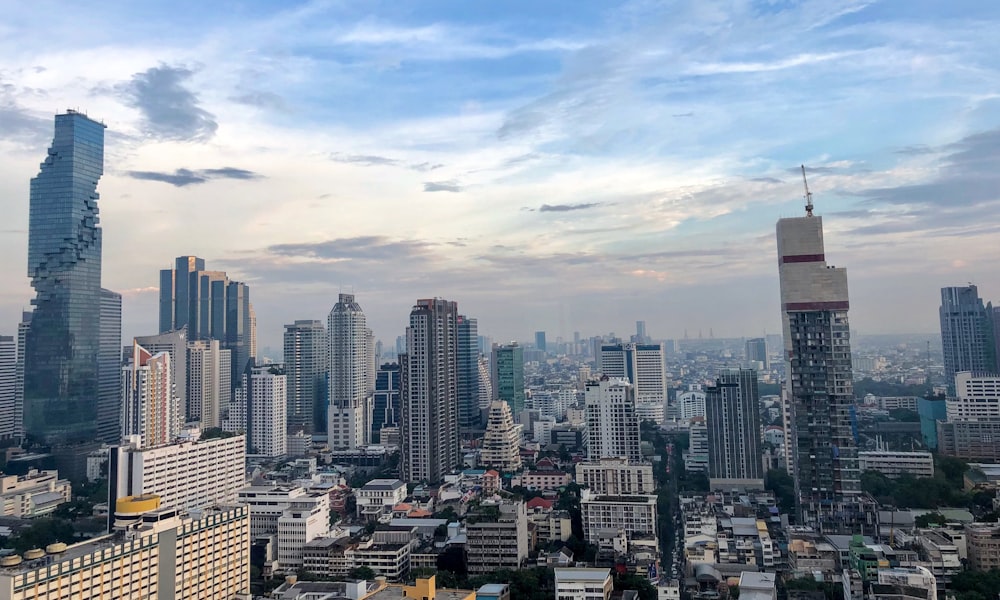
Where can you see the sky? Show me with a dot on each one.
(561, 165)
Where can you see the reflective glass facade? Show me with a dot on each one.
(64, 263)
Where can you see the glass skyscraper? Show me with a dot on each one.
(508, 376)
(967, 339)
(61, 372)
(468, 375)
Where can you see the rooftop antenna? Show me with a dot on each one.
(809, 196)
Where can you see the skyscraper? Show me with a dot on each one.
(507, 370)
(817, 350)
(175, 344)
(209, 386)
(9, 410)
(61, 371)
(174, 294)
(305, 366)
(732, 408)
(109, 369)
(429, 397)
(261, 402)
(386, 399)
(612, 422)
(468, 374)
(350, 398)
(540, 341)
(501, 442)
(967, 338)
(756, 351)
(148, 402)
(641, 364)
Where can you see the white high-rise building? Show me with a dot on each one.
(188, 474)
(295, 515)
(173, 343)
(501, 442)
(641, 364)
(306, 365)
(612, 422)
(429, 392)
(977, 397)
(262, 399)
(149, 406)
(691, 404)
(9, 408)
(350, 384)
(209, 386)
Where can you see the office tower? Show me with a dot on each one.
(350, 397)
(212, 307)
(501, 442)
(691, 404)
(62, 348)
(175, 344)
(149, 406)
(305, 367)
(154, 552)
(540, 341)
(612, 422)
(732, 414)
(109, 368)
(429, 398)
(756, 351)
(641, 364)
(261, 403)
(640, 333)
(468, 375)
(966, 333)
(817, 350)
(188, 474)
(385, 400)
(508, 375)
(209, 385)
(9, 410)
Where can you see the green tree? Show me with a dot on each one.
(781, 484)
(362, 573)
(632, 581)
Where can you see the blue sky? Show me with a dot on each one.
(569, 166)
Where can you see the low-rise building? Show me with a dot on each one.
(893, 464)
(32, 495)
(583, 584)
(542, 480)
(295, 515)
(616, 476)
(377, 497)
(983, 544)
(904, 583)
(634, 514)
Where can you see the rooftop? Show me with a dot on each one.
(582, 574)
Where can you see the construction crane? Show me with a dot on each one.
(809, 196)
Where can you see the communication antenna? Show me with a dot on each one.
(809, 196)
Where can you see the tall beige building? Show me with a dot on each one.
(153, 553)
(208, 380)
(351, 379)
(501, 442)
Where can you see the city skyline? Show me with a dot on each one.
(561, 155)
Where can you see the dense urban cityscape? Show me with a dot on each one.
(392, 430)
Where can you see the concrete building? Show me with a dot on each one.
(612, 423)
(153, 553)
(976, 397)
(351, 375)
(732, 415)
(376, 498)
(34, 494)
(634, 514)
(209, 388)
(263, 394)
(306, 367)
(429, 396)
(983, 546)
(501, 442)
(758, 586)
(175, 344)
(616, 477)
(696, 457)
(468, 375)
(385, 401)
(969, 440)
(507, 375)
(893, 464)
(292, 514)
(903, 583)
(756, 354)
(966, 333)
(188, 475)
(817, 350)
(10, 409)
(641, 364)
(151, 410)
(691, 404)
(496, 537)
(583, 584)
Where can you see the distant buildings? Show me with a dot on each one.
(305, 346)
(468, 374)
(817, 350)
(966, 333)
(612, 422)
(34, 494)
(63, 346)
(643, 366)
(508, 375)
(540, 343)
(501, 442)
(732, 415)
(10, 406)
(756, 352)
(429, 397)
(691, 404)
(351, 375)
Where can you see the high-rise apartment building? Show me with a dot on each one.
(261, 401)
(349, 413)
(691, 404)
(109, 373)
(507, 368)
(175, 344)
(429, 397)
(501, 442)
(756, 351)
(211, 306)
(149, 406)
(9, 410)
(22, 339)
(305, 366)
(63, 345)
(732, 414)
(209, 385)
(967, 339)
(468, 375)
(612, 422)
(817, 351)
(386, 399)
